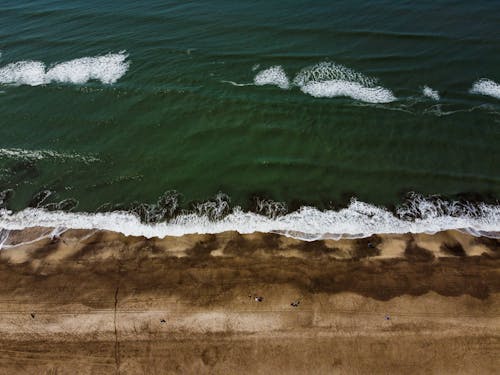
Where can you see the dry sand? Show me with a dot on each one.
(94, 302)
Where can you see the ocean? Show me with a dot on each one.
(313, 119)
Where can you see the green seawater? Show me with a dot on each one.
(186, 115)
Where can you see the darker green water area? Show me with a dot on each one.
(173, 122)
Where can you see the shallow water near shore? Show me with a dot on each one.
(305, 106)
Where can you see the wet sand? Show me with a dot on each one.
(100, 302)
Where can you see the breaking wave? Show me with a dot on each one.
(487, 87)
(330, 80)
(359, 219)
(106, 68)
(326, 80)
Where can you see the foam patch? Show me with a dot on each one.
(487, 87)
(107, 69)
(273, 76)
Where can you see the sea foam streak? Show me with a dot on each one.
(357, 220)
(22, 154)
(486, 87)
(107, 68)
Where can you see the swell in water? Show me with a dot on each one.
(359, 219)
(107, 69)
(328, 80)
(23, 154)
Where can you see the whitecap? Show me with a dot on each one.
(330, 71)
(430, 93)
(328, 79)
(274, 75)
(487, 87)
(106, 69)
(354, 90)
(23, 73)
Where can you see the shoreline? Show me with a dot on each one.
(358, 220)
(99, 302)
(445, 243)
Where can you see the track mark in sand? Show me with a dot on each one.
(117, 344)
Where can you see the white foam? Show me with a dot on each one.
(354, 90)
(22, 154)
(275, 75)
(487, 87)
(357, 220)
(330, 80)
(23, 73)
(430, 93)
(107, 69)
(329, 71)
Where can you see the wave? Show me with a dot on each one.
(275, 75)
(359, 219)
(487, 87)
(430, 93)
(106, 68)
(22, 154)
(328, 79)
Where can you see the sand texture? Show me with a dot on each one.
(95, 302)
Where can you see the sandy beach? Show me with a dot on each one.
(99, 302)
